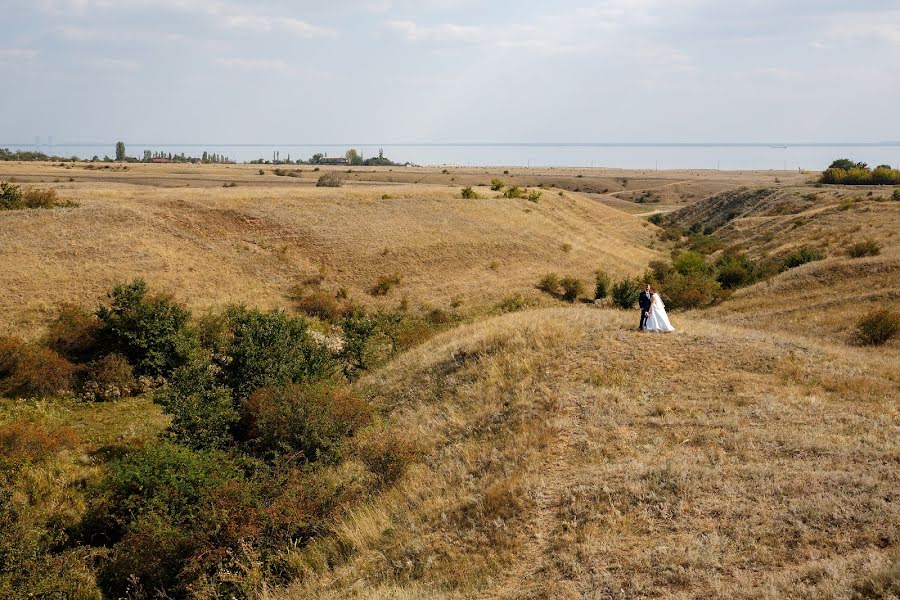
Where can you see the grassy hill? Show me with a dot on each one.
(209, 246)
(821, 299)
(549, 453)
(564, 455)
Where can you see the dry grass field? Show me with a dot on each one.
(567, 456)
(556, 452)
(822, 299)
(211, 245)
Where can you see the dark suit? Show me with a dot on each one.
(644, 301)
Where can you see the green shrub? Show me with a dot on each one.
(497, 185)
(734, 270)
(330, 179)
(384, 285)
(368, 339)
(695, 290)
(706, 244)
(846, 172)
(896, 194)
(310, 421)
(266, 349)
(512, 303)
(549, 283)
(625, 292)
(10, 196)
(659, 271)
(657, 219)
(514, 192)
(534, 195)
(73, 333)
(861, 249)
(601, 285)
(878, 327)
(801, 256)
(153, 507)
(202, 410)
(152, 332)
(109, 377)
(13, 197)
(572, 288)
(468, 193)
(690, 263)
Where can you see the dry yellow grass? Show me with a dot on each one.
(566, 456)
(209, 246)
(824, 299)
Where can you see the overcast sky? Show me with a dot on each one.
(394, 71)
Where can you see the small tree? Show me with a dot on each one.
(120, 151)
(601, 288)
(572, 288)
(625, 293)
(353, 157)
(152, 332)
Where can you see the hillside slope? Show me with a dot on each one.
(563, 455)
(824, 298)
(212, 246)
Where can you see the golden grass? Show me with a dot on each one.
(565, 455)
(211, 246)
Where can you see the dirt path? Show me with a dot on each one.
(526, 578)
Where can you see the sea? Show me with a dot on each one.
(722, 156)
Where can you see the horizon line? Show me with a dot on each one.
(775, 144)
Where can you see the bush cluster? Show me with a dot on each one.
(878, 327)
(625, 292)
(846, 172)
(801, 256)
(602, 284)
(469, 194)
(384, 285)
(12, 197)
(497, 185)
(862, 249)
(330, 179)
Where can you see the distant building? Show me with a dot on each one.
(334, 160)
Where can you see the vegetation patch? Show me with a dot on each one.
(878, 327)
(13, 197)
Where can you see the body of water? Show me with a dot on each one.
(631, 156)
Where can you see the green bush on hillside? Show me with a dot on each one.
(734, 270)
(801, 256)
(862, 249)
(202, 410)
(878, 327)
(497, 185)
(514, 192)
(549, 283)
(468, 193)
(602, 283)
(572, 288)
(152, 332)
(625, 292)
(265, 349)
(846, 172)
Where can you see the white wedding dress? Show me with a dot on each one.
(658, 320)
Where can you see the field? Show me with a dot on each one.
(552, 450)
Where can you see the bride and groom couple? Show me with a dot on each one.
(653, 312)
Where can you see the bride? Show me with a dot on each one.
(658, 320)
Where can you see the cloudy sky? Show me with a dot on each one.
(395, 71)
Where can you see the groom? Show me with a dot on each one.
(644, 302)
